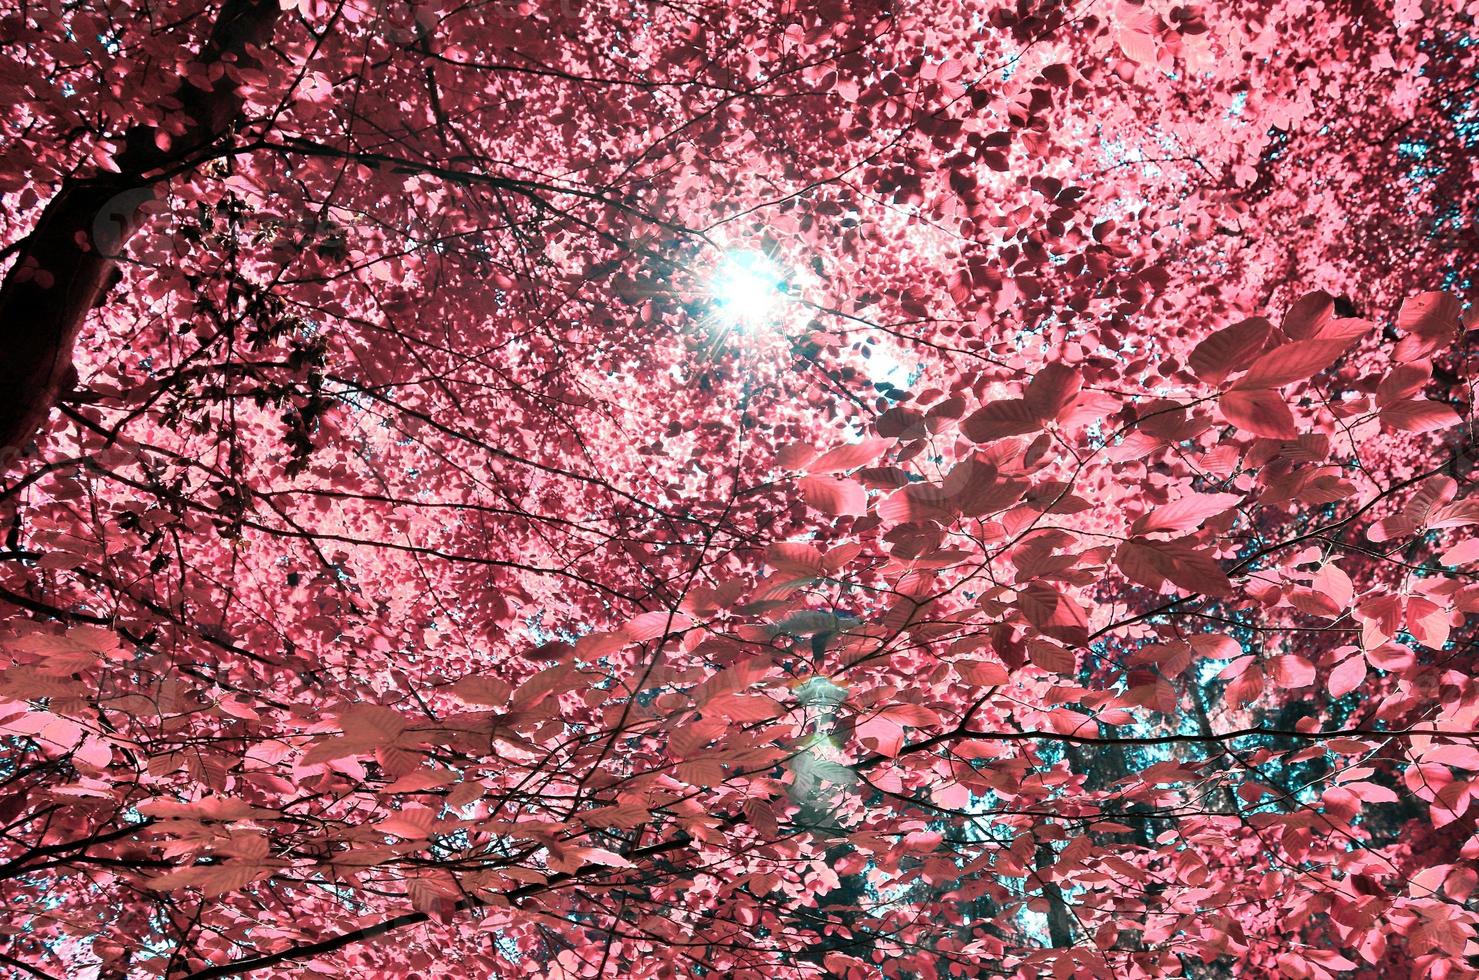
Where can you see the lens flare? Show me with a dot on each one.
(747, 290)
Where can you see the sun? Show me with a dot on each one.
(747, 290)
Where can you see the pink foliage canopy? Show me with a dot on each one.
(1055, 556)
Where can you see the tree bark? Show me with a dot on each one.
(63, 267)
(1195, 694)
(1060, 920)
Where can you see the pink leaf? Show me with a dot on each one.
(1403, 381)
(849, 456)
(1229, 349)
(1000, 419)
(1458, 514)
(650, 625)
(914, 715)
(1428, 318)
(1051, 657)
(1419, 415)
(1185, 513)
(1293, 671)
(1291, 362)
(1348, 675)
(1052, 612)
(1308, 314)
(1461, 553)
(981, 673)
(1336, 584)
(1216, 646)
(1181, 561)
(830, 495)
(1053, 389)
(1260, 411)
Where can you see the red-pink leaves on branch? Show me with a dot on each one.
(1259, 411)
(1180, 561)
(848, 456)
(1052, 391)
(999, 419)
(1294, 361)
(1186, 513)
(1066, 568)
(1428, 320)
(1230, 349)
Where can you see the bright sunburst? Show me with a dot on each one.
(747, 290)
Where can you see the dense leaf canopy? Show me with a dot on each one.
(590, 488)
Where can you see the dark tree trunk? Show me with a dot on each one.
(1060, 920)
(62, 268)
